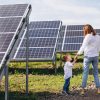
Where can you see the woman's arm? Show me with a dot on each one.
(84, 44)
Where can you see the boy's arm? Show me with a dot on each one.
(74, 61)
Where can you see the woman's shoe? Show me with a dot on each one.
(98, 90)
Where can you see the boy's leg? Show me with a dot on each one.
(67, 89)
(66, 85)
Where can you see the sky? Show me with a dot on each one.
(69, 11)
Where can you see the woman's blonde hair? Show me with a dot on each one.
(88, 30)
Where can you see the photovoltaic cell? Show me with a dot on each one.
(74, 40)
(43, 32)
(73, 33)
(40, 42)
(5, 40)
(44, 24)
(71, 47)
(12, 10)
(36, 53)
(97, 31)
(75, 27)
(9, 24)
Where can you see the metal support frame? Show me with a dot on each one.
(61, 54)
(27, 53)
(6, 83)
(54, 63)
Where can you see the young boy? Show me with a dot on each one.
(69, 62)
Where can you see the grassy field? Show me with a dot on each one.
(42, 79)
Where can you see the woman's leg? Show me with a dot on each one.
(85, 71)
(95, 71)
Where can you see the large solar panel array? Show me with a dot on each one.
(42, 41)
(11, 19)
(61, 38)
(73, 38)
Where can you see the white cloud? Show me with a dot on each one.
(69, 11)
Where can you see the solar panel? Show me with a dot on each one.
(42, 41)
(11, 21)
(61, 38)
(73, 38)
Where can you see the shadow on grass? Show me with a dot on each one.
(46, 71)
(17, 95)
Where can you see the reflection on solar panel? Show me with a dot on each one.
(11, 19)
(60, 38)
(42, 41)
(73, 38)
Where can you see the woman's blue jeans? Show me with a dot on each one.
(87, 62)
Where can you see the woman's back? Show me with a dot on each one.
(92, 47)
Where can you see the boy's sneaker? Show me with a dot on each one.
(65, 93)
(82, 92)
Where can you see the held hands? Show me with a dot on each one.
(75, 58)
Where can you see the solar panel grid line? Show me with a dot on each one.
(72, 43)
(43, 28)
(6, 33)
(41, 37)
(38, 47)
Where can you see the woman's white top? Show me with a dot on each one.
(68, 70)
(90, 46)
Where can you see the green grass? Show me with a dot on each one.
(42, 79)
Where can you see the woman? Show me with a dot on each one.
(91, 48)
